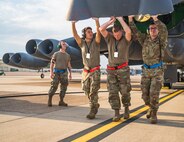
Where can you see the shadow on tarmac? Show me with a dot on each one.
(171, 114)
(164, 122)
(74, 112)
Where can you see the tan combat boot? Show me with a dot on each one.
(126, 113)
(93, 111)
(117, 116)
(50, 101)
(148, 114)
(153, 119)
(91, 114)
(62, 103)
(96, 108)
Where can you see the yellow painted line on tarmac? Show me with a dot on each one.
(111, 125)
(136, 89)
(165, 88)
(170, 96)
(98, 131)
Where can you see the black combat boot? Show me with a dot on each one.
(117, 116)
(50, 101)
(126, 113)
(148, 114)
(153, 119)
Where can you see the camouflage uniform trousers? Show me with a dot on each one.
(61, 78)
(151, 84)
(91, 85)
(119, 81)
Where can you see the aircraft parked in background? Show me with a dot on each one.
(40, 52)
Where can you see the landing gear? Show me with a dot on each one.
(170, 75)
(42, 75)
(180, 76)
(169, 85)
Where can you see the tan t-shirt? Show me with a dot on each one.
(122, 49)
(94, 51)
(61, 60)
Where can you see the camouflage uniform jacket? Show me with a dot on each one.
(152, 50)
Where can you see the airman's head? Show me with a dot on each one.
(153, 30)
(117, 31)
(63, 45)
(87, 33)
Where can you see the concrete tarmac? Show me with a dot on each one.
(28, 119)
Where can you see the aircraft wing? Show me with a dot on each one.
(84, 9)
(177, 1)
(40, 52)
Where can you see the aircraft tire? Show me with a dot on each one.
(42, 75)
(178, 77)
(169, 85)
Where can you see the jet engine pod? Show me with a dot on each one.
(7, 60)
(28, 61)
(32, 49)
(32, 46)
(48, 47)
(77, 64)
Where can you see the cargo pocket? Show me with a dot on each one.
(112, 83)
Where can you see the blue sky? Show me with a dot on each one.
(22, 20)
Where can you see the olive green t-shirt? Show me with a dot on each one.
(122, 49)
(61, 60)
(94, 50)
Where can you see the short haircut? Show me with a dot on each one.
(151, 23)
(84, 31)
(117, 26)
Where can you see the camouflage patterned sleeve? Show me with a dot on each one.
(163, 33)
(137, 35)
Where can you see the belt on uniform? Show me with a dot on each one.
(153, 66)
(59, 70)
(92, 70)
(118, 67)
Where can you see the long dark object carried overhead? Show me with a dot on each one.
(84, 9)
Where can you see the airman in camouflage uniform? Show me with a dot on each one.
(90, 47)
(58, 72)
(118, 77)
(153, 45)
